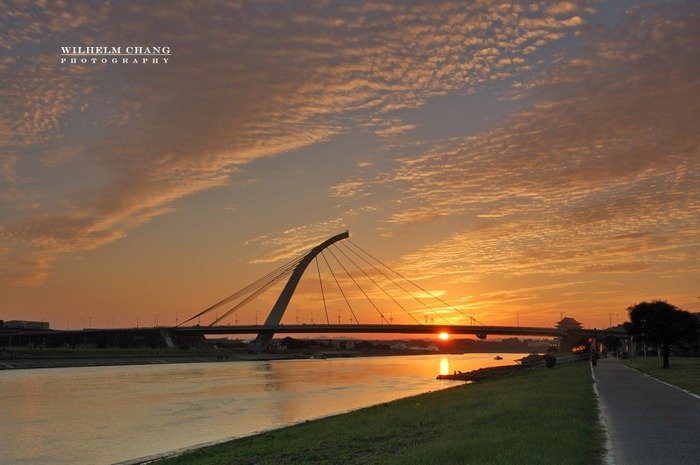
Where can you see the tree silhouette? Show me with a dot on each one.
(662, 324)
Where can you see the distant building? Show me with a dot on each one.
(430, 348)
(24, 325)
(568, 324)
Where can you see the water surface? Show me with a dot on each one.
(101, 415)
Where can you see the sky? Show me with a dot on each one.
(522, 161)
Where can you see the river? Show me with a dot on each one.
(102, 415)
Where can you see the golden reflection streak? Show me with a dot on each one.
(444, 366)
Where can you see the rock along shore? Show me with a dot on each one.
(483, 374)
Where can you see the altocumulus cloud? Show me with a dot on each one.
(246, 80)
(598, 177)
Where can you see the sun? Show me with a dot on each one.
(444, 336)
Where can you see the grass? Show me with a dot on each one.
(546, 416)
(683, 372)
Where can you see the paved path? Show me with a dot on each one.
(649, 422)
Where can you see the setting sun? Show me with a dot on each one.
(444, 336)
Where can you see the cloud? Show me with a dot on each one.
(351, 189)
(295, 241)
(561, 8)
(246, 81)
(598, 178)
(394, 130)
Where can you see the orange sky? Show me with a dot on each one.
(537, 158)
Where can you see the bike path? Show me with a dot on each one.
(649, 422)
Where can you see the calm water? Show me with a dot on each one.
(101, 415)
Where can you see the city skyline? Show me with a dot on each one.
(518, 160)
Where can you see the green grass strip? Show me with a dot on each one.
(545, 416)
(683, 372)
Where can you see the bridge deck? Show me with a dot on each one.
(334, 329)
(380, 329)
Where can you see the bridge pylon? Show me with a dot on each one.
(262, 341)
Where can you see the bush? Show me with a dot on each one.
(549, 360)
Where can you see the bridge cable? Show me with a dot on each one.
(270, 282)
(251, 297)
(418, 286)
(318, 269)
(352, 312)
(396, 283)
(248, 288)
(262, 283)
(382, 317)
(377, 284)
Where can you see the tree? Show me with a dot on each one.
(611, 343)
(662, 324)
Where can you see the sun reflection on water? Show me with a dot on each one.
(444, 366)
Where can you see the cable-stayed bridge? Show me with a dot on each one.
(357, 267)
(355, 280)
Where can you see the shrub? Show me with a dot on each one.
(549, 360)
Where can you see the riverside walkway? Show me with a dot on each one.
(649, 422)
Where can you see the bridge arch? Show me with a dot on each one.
(264, 338)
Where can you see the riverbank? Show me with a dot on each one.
(544, 416)
(483, 374)
(19, 359)
(65, 358)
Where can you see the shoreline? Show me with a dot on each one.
(500, 421)
(80, 361)
(480, 374)
(483, 374)
(31, 359)
(27, 360)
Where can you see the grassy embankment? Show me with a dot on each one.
(683, 372)
(545, 416)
